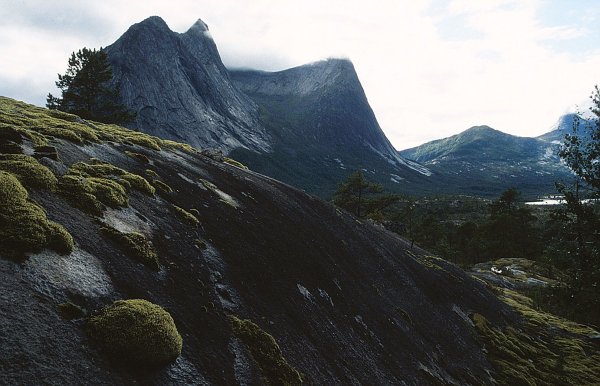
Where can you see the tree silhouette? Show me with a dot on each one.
(86, 91)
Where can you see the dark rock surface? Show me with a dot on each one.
(347, 302)
(180, 90)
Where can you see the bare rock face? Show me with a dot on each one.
(180, 90)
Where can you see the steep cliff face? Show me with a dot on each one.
(180, 90)
(323, 128)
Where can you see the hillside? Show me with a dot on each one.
(484, 161)
(264, 283)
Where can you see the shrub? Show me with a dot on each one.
(266, 353)
(134, 245)
(24, 226)
(136, 332)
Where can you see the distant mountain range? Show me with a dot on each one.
(484, 161)
(311, 126)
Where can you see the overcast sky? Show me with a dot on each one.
(430, 69)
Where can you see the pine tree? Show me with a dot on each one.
(574, 245)
(362, 197)
(86, 91)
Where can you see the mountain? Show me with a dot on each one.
(128, 259)
(180, 90)
(323, 128)
(565, 125)
(310, 126)
(485, 161)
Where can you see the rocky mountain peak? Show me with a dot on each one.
(151, 23)
(198, 26)
(180, 89)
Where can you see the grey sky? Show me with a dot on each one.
(429, 68)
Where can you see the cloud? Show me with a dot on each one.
(429, 68)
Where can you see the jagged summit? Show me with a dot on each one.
(199, 25)
(565, 125)
(180, 89)
(152, 22)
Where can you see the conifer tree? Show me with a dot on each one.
(362, 197)
(86, 90)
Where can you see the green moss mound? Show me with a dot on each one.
(162, 187)
(24, 227)
(95, 186)
(140, 157)
(39, 125)
(186, 216)
(266, 353)
(545, 350)
(136, 332)
(119, 134)
(235, 163)
(28, 170)
(134, 245)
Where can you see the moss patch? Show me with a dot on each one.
(136, 332)
(186, 216)
(92, 187)
(265, 351)
(119, 134)
(28, 170)
(168, 144)
(545, 350)
(39, 124)
(134, 245)
(140, 157)
(162, 187)
(235, 163)
(24, 226)
(152, 174)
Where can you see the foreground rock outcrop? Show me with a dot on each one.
(264, 283)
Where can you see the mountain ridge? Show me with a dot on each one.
(179, 88)
(486, 161)
(305, 125)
